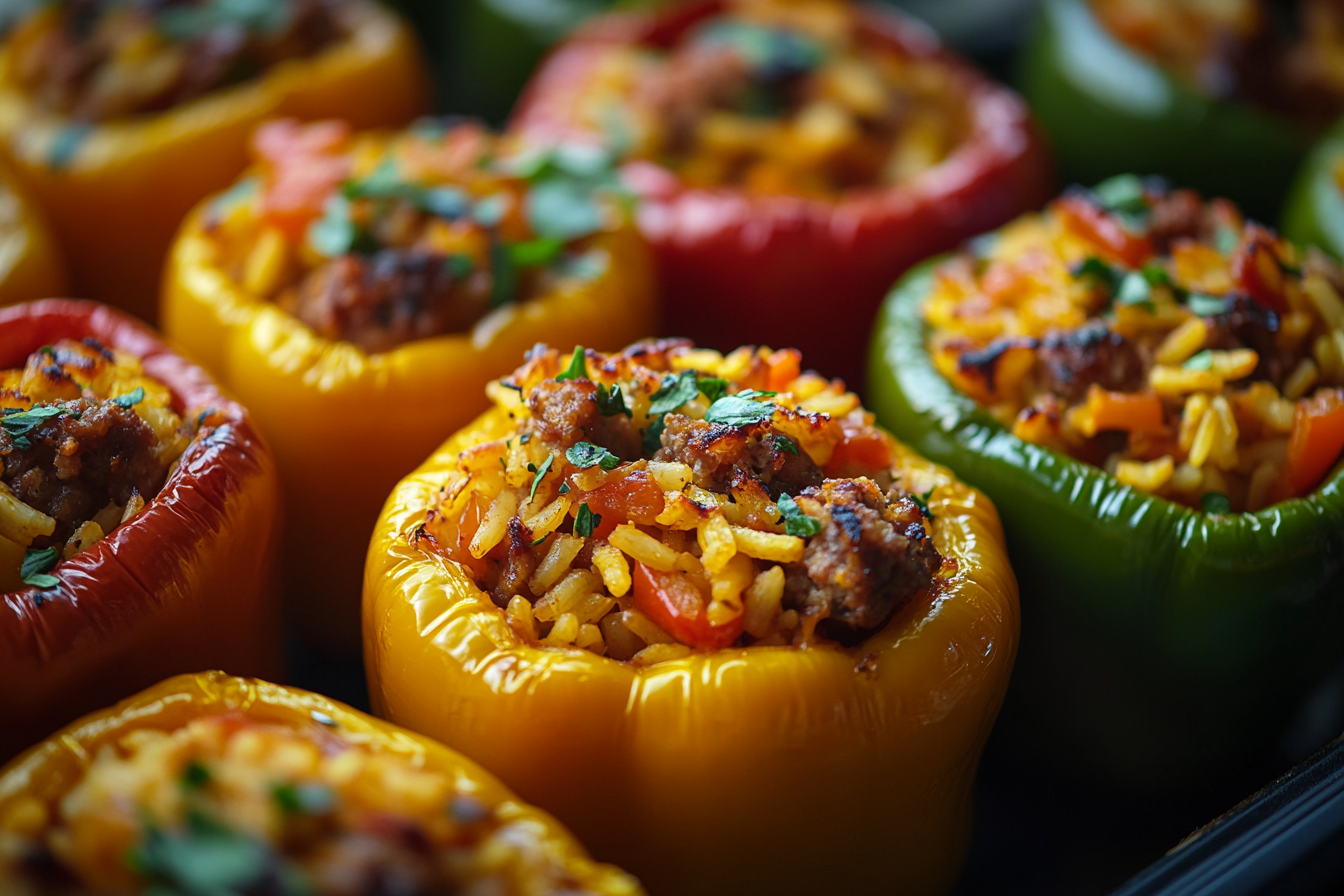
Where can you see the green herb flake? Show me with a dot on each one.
(207, 858)
(195, 775)
(675, 391)
(784, 443)
(504, 279)
(541, 474)
(562, 209)
(335, 233)
(536, 253)
(66, 144)
(653, 436)
(1215, 502)
(586, 454)
(1123, 197)
(577, 370)
(795, 521)
(713, 387)
(611, 402)
(585, 521)
(537, 541)
(20, 424)
(1226, 239)
(303, 799)
(36, 564)
(1098, 270)
(130, 399)
(737, 410)
(922, 502)
(1135, 290)
(525, 438)
(1206, 305)
(1156, 275)
(564, 488)
(1201, 361)
(459, 266)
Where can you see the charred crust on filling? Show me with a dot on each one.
(871, 557)
(1249, 324)
(565, 413)
(722, 457)
(1069, 361)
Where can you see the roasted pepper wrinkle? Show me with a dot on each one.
(50, 769)
(737, 268)
(701, 774)
(1170, 647)
(193, 578)
(115, 192)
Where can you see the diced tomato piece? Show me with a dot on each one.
(785, 366)
(1113, 241)
(672, 600)
(454, 536)
(1256, 269)
(861, 445)
(286, 140)
(636, 499)
(1316, 441)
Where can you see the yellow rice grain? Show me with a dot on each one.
(613, 568)
(1202, 444)
(549, 518)
(565, 595)
(1187, 479)
(1224, 451)
(19, 522)
(1234, 364)
(1191, 415)
(727, 585)
(592, 607)
(1327, 302)
(133, 507)
(763, 600)
(717, 545)
(621, 642)
(788, 619)
(1261, 484)
(563, 632)
(1176, 381)
(1148, 477)
(1302, 380)
(265, 266)
(89, 534)
(768, 545)
(831, 402)
(719, 613)
(1294, 327)
(590, 639)
(1329, 359)
(519, 614)
(495, 524)
(660, 653)
(671, 477)
(644, 628)
(1183, 342)
(644, 548)
(556, 563)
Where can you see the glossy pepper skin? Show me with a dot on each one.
(346, 425)
(30, 264)
(1168, 647)
(1314, 212)
(740, 269)
(774, 770)
(51, 768)
(116, 200)
(192, 579)
(1108, 110)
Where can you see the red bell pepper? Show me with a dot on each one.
(677, 606)
(189, 583)
(737, 268)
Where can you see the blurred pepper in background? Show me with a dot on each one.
(30, 264)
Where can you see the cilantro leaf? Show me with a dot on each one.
(1099, 270)
(674, 392)
(795, 521)
(611, 403)
(304, 799)
(541, 474)
(1156, 275)
(784, 443)
(20, 424)
(1205, 305)
(1135, 289)
(335, 233)
(564, 488)
(205, 858)
(586, 454)
(503, 273)
(562, 209)
(130, 399)
(585, 521)
(1215, 502)
(922, 502)
(459, 266)
(1123, 197)
(448, 203)
(1201, 361)
(736, 410)
(195, 775)
(1226, 239)
(577, 370)
(36, 564)
(536, 253)
(713, 387)
(653, 436)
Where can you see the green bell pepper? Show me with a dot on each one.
(1314, 214)
(1108, 110)
(1163, 647)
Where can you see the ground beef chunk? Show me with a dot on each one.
(77, 464)
(1176, 215)
(390, 298)
(565, 413)
(519, 566)
(721, 457)
(1248, 324)
(1070, 361)
(871, 556)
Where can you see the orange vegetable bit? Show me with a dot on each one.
(1257, 269)
(636, 499)
(1124, 411)
(672, 600)
(306, 164)
(860, 446)
(785, 367)
(1113, 241)
(1316, 441)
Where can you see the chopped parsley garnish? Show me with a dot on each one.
(541, 474)
(37, 563)
(536, 253)
(503, 273)
(208, 857)
(773, 53)
(713, 387)
(304, 799)
(785, 444)
(653, 436)
(537, 541)
(459, 266)
(737, 410)
(1135, 289)
(195, 775)
(525, 438)
(563, 209)
(20, 424)
(1215, 502)
(564, 488)
(1226, 239)
(577, 369)
(585, 521)
(1206, 305)
(130, 399)
(922, 502)
(1123, 197)
(675, 391)
(586, 454)
(1105, 274)
(1200, 361)
(610, 403)
(336, 234)
(795, 521)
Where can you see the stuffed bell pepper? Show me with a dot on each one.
(30, 266)
(700, 608)
(207, 783)
(120, 115)
(1225, 97)
(1149, 387)
(138, 519)
(359, 291)
(1314, 215)
(791, 157)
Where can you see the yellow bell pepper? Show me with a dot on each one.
(408, 779)
(346, 424)
(116, 191)
(757, 769)
(30, 267)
